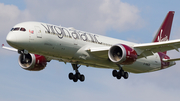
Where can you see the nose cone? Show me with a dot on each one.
(11, 38)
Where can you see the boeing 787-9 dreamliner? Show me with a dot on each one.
(39, 43)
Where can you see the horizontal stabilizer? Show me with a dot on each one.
(170, 60)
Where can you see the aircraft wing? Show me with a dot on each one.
(147, 49)
(143, 50)
(101, 52)
(9, 48)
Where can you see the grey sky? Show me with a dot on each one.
(129, 20)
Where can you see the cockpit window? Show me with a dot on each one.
(22, 29)
(16, 29)
(12, 29)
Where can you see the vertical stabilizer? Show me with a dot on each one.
(164, 31)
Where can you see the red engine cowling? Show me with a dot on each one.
(122, 54)
(32, 62)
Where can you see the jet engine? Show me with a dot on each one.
(122, 54)
(32, 62)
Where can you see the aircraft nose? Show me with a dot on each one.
(11, 38)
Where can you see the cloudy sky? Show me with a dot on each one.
(131, 20)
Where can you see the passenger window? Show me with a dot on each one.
(22, 29)
(16, 29)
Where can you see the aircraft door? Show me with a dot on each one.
(38, 31)
(32, 36)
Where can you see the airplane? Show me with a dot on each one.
(39, 43)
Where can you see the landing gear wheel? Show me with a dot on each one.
(121, 72)
(118, 76)
(71, 76)
(75, 79)
(126, 75)
(114, 73)
(82, 78)
(77, 75)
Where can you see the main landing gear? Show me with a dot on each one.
(120, 73)
(77, 76)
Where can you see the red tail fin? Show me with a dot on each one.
(163, 33)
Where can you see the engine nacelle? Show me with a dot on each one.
(122, 54)
(32, 62)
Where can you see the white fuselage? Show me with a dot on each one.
(71, 45)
